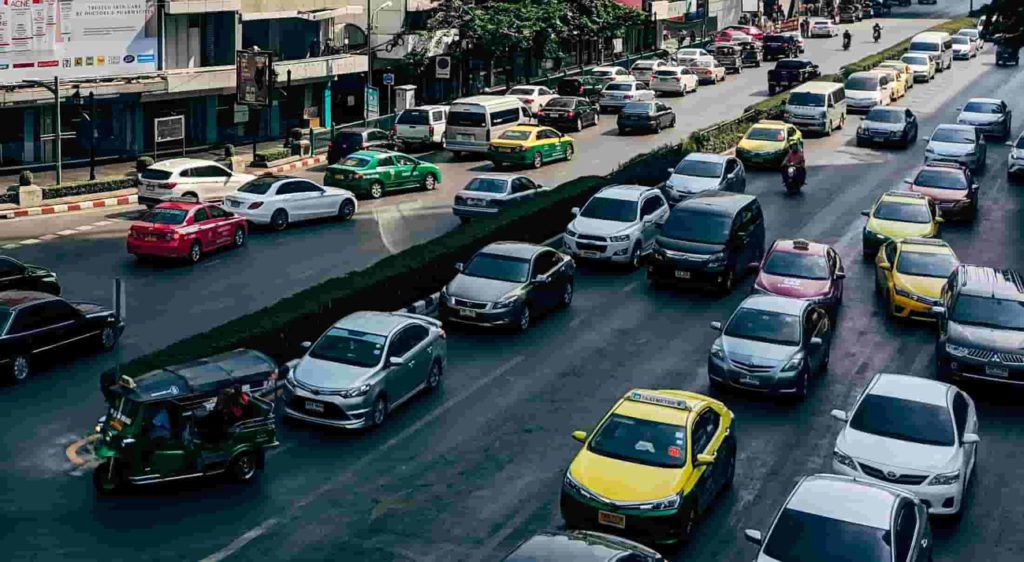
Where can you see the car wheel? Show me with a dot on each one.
(21, 368)
(347, 210)
(538, 160)
(108, 338)
(430, 182)
(634, 257)
(828, 127)
(243, 467)
(771, 90)
(434, 376)
(672, 123)
(464, 220)
(567, 294)
(657, 127)
(523, 323)
(802, 382)
(239, 239)
(728, 282)
(279, 220)
(688, 521)
(377, 190)
(570, 151)
(823, 368)
(106, 478)
(579, 124)
(730, 470)
(195, 253)
(379, 411)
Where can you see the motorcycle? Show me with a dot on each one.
(877, 35)
(794, 178)
(846, 42)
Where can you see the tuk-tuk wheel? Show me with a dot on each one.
(105, 481)
(243, 467)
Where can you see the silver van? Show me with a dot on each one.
(817, 106)
(474, 121)
(937, 45)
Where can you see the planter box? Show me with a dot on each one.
(274, 163)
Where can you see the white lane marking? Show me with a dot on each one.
(383, 218)
(10, 246)
(30, 241)
(629, 287)
(84, 227)
(241, 541)
(49, 236)
(576, 321)
(101, 223)
(68, 232)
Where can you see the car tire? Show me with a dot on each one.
(570, 151)
(579, 124)
(429, 182)
(523, 322)
(279, 220)
(672, 123)
(244, 467)
(105, 480)
(464, 220)
(377, 190)
(657, 127)
(379, 412)
(728, 283)
(108, 338)
(346, 210)
(771, 90)
(823, 368)
(20, 369)
(567, 295)
(730, 474)
(538, 160)
(195, 252)
(802, 384)
(634, 257)
(828, 127)
(434, 376)
(239, 238)
(688, 521)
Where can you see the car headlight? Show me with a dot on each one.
(945, 479)
(717, 352)
(716, 259)
(506, 303)
(572, 484)
(619, 238)
(972, 152)
(958, 350)
(571, 233)
(844, 459)
(355, 392)
(902, 293)
(929, 150)
(670, 502)
(795, 362)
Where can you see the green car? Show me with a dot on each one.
(374, 172)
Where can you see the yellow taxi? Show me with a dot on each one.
(657, 460)
(910, 275)
(767, 143)
(898, 215)
(906, 73)
(530, 145)
(899, 85)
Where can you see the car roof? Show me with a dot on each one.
(989, 282)
(904, 387)
(706, 157)
(985, 100)
(372, 321)
(641, 403)
(769, 124)
(578, 546)
(925, 246)
(845, 499)
(772, 303)
(16, 299)
(606, 68)
(625, 192)
(719, 202)
(176, 164)
(800, 246)
(816, 87)
(908, 197)
(522, 250)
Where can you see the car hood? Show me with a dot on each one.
(761, 146)
(949, 148)
(692, 184)
(939, 194)
(1008, 341)
(887, 453)
(480, 289)
(688, 247)
(327, 374)
(968, 118)
(756, 352)
(899, 230)
(930, 287)
(794, 287)
(89, 308)
(624, 481)
(599, 227)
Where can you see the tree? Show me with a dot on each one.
(1004, 22)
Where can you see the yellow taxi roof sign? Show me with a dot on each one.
(658, 400)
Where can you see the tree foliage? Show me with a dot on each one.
(1004, 21)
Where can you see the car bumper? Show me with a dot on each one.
(807, 123)
(626, 124)
(940, 500)
(872, 242)
(675, 87)
(992, 129)
(961, 55)
(1015, 165)
(457, 145)
(609, 104)
(662, 526)
(961, 367)
(915, 308)
(769, 159)
(331, 411)
(957, 210)
(922, 75)
(668, 272)
(557, 122)
(520, 158)
(474, 212)
(486, 318)
(599, 251)
(882, 139)
(159, 249)
(773, 382)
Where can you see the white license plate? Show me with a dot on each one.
(683, 274)
(476, 202)
(750, 380)
(314, 406)
(465, 137)
(467, 313)
(611, 519)
(995, 371)
(590, 254)
(150, 188)
(504, 149)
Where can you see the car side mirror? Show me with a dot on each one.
(753, 536)
(970, 438)
(865, 213)
(395, 361)
(575, 211)
(580, 436)
(717, 326)
(288, 368)
(704, 460)
(1010, 144)
(908, 180)
(926, 139)
(885, 266)
(840, 415)
(959, 108)
(542, 279)
(460, 267)
(938, 311)
(672, 170)
(817, 342)
(840, 275)
(306, 345)
(939, 220)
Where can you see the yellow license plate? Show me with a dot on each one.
(611, 519)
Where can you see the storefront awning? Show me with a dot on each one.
(316, 15)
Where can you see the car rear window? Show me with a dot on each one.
(774, 39)
(926, 264)
(797, 264)
(643, 66)
(164, 216)
(641, 441)
(467, 119)
(355, 162)
(905, 420)
(880, 115)
(487, 185)
(941, 179)
(915, 60)
(565, 103)
(764, 326)
(258, 186)
(155, 175)
(601, 73)
(668, 73)
(619, 87)
(414, 117)
(521, 92)
(516, 135)
(638, 107)
(989, 312)
(798, 535)
(789, 64)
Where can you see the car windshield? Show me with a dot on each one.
(5, 316)
(566, 103)
(926, 264)
(155, 175)
(956, 136)
(348, 139)
(789, 64)
(862, 83)
(355, 162)
(638, 107)
(882, 115)
(941, 179)
(349, 347)
(467, 119)
(903, 212)
(989, 312)
(983, 107)
(1020, 142)
(697, 226)
(610, 209)
(500, 268)
(968, 32)
(522, 92)
(258, 186)
(797, 264)
(800, 536)
(906, 420)
(487, 185)
(766, 134)
(619, 87)
(414, 117)
(601, 73)
(924, 47)
(961, 40)
(774, 39)
(807, 99)
(514, 135)
(764, 326)
(915, 60)
(641, 441)
(164, 216)
(699, 168)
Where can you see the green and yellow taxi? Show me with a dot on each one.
(910, 275)
(767, 142)
(656, 461)
(374, 172)
(898, 215)
(530, 145)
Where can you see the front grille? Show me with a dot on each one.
(462, 303)
(591, 237)
(986, 355)
(584, 246)
(751, 367)
(904, 479)
(331, 410)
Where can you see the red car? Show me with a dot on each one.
(951, 186)
(750, 30)
(803, 270)
(731, 36)
(185, 230)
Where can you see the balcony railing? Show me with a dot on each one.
(302, 70)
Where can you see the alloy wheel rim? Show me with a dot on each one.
(567, 294)
(537, 161)
(378, 412)
(435, 376)
(246, 467)
(430, 182)
(20, 368)
(524, 319)
(239, 238)
(347, 210)
(376, 190)
(569, 152)
(280, 220)
(107, 335)
(195, 252)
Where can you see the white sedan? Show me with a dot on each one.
(913, 433)
(691, 54)
(675, 80)
(822, 28)
(280, 200)
(533, 97)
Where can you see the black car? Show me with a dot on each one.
(33, 324)
(646, 115)
(790, 72)
(730, 57)
(751, 53)
(779, 46)
(17, 276)
(580, 546)
(712, 239)
(888, 125)
(568, 113)
(580, 86)
(1007, 54)
(350, 139)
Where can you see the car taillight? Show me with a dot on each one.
(529, 101)
(364, 145)
(581, 89)
(394, 129)
(358, 176)
(572, 114)
(170, 185)
(679, 78)
(430, 130)
(539, 112)
(627, 97)
(256, 205)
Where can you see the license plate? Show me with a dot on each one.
(467, 313)
(150, 188)
(590, 254)
(995, 371)
(504, 149)
(476, 202)
(234, 203)
(683, 274)
(750, 380)
(611, 519)
(465, 137)
(314, 406)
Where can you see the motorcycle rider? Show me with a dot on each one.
(794, 170)
(877, 29)
(847, 39)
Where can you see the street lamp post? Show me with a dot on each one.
(369, 52)
(55, 90)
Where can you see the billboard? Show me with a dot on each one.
(254, 76)
(40, 39)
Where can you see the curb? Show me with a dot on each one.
(70, 207)
(298, 165)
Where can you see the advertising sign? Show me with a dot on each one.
(169, 128)
(372, 102)
(254, 77)
(40, 39)
(443, 67)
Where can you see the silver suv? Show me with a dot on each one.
(618, 224)
(363, 367)
(960, 144)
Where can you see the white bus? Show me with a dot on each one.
(474, 121)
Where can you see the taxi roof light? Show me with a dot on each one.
(801, 244)
(658, 400)
(908, 194)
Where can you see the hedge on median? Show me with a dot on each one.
(87, 187)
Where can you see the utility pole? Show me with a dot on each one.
(55, 90)
(92, 135)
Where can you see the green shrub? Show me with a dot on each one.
(272, 154)
(87, 187)
(25, 178)
(142, 163)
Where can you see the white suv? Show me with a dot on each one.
(618, 224)
(188, 178)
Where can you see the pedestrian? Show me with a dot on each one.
(693, 37)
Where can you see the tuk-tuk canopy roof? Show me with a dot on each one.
(203, 376)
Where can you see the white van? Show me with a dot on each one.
(421, 125)
(474, 121)
(817, 106)
(865, 90)
(937, 45)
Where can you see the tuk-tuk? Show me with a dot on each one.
(729, 57)
(196, 419)
(580, 86)
(1007, 54)
(751, 54)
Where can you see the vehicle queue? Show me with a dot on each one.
(659, 458)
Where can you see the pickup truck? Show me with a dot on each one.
(790, 72)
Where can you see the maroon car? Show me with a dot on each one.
(802, 270)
